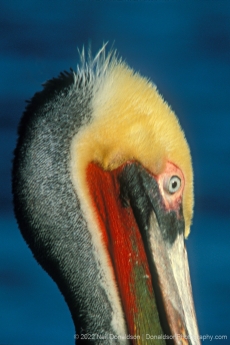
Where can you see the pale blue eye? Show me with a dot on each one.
(174, 184)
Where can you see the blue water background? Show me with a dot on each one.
(184, 47)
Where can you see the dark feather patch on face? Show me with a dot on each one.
(140, 189)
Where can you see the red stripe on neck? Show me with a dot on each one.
(122, 239)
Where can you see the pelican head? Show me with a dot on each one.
(103, 195)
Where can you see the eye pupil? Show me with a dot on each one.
(174, 184)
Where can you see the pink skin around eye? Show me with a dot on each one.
(172, 201)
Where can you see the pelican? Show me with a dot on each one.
(103, 195)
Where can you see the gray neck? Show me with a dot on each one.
(46, 206)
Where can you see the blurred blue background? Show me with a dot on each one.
(184, 47)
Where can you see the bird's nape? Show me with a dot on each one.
(103, 195)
